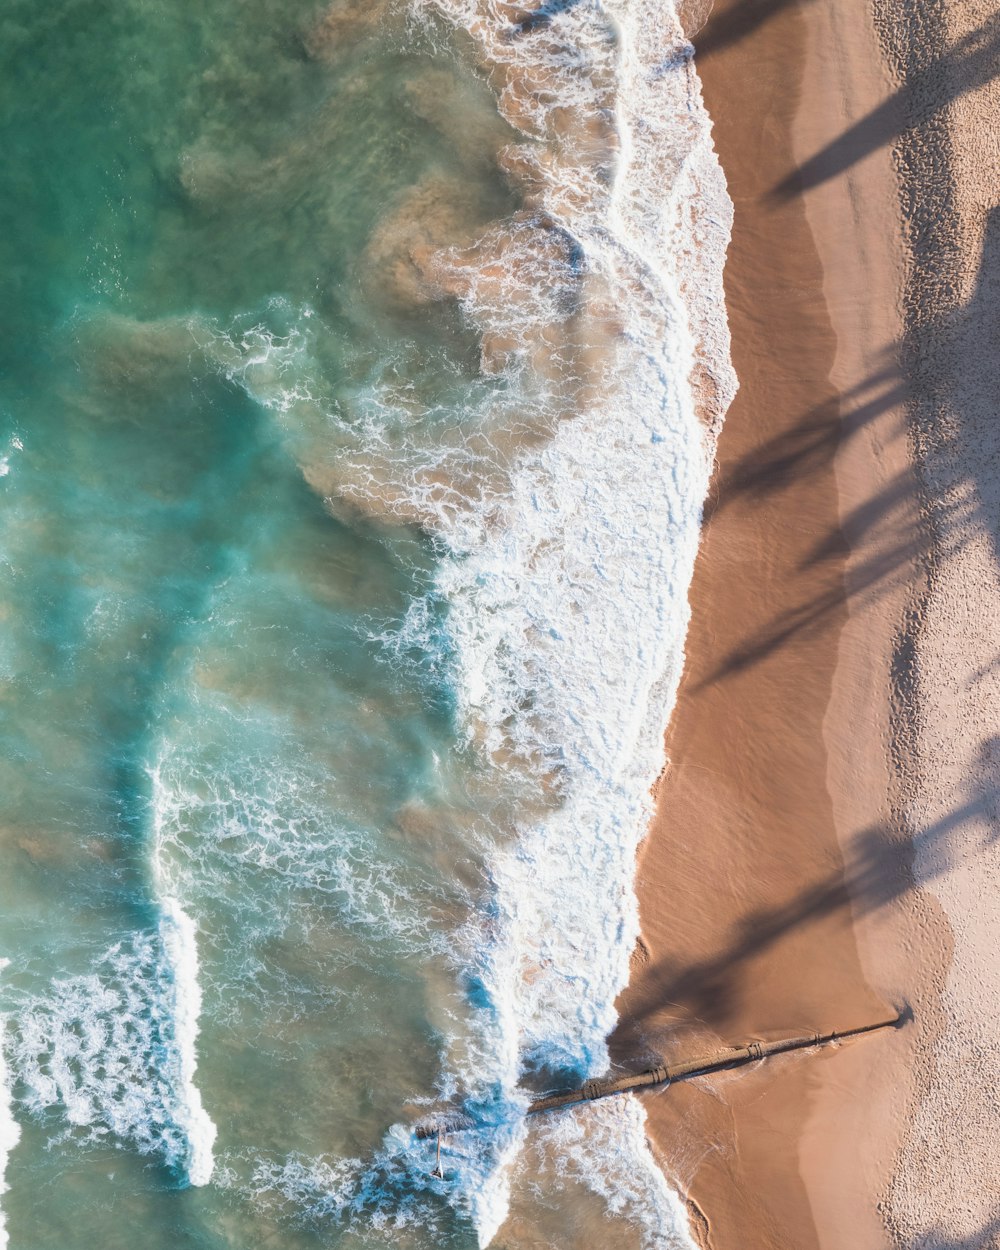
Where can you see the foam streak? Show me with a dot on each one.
(178, 936)
(10, 1132)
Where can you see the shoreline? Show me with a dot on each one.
(786, 737)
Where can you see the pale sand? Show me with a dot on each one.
(826, 838)
(946, 1193)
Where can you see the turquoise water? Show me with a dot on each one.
(292, 312)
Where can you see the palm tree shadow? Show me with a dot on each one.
(950, 361)
(737, 23)
(882, 868)
(927, 91)
(985, 1238)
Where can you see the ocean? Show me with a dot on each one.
(361, 369)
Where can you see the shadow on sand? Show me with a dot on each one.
(959, 351)
(928, 89)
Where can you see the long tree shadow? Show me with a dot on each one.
(799, 453)
(879, 871)
(969, 64)
(985, 1238)
(957, 352)
(952, 358)
(808, 446)
(737, 23)
(871, 579)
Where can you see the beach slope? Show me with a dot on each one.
(809, 859)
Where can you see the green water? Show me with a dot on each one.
(193, 703)
(283, 767)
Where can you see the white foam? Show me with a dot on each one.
(629, 1181)
(568, 610)
(178, 937)
(115, 1049)
(259, 827)
(394, 1189)
(566, 498)
(177, 932)
(13, 446)
(10, 1132)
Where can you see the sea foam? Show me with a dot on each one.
(177, 933)
(114, 1049)
(393, 1190)
(568, 610)
(564, 494)
(629, 1181)
(10, 1132)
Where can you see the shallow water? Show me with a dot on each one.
(351, 476)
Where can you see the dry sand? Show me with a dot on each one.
(828, 831)
(946, 1191)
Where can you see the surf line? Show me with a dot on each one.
(10, 1132)
(177, 935)
(454, 1121)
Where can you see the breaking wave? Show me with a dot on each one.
(10, 1132)
(555, 470)
(563, 488)
(113, 1049)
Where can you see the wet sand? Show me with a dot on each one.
(778, 888)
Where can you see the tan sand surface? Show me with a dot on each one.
(946, 1192)
(826, 835)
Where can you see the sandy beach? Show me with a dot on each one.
(825, 836)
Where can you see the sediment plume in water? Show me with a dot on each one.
(598, 312)
(366, 535)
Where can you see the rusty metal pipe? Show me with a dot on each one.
(717, 1061)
